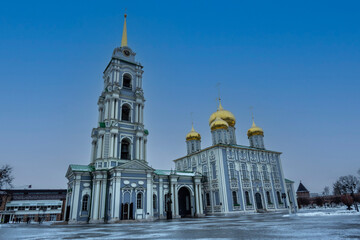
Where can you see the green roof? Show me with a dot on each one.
(288, 181)
(81, 168)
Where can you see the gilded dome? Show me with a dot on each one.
(224, 115)
(219, 124)
(255, 130)
(193, 135)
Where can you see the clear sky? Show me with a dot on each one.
(296, 63)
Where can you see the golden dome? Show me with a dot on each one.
(224, 115)
(192, 135)
(255, 130)
(219, 124)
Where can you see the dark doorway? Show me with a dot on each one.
(258, 201)
(125, 149)
(67, 213)
(184, 202)
(127, 211)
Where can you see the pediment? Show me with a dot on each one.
(136, 165)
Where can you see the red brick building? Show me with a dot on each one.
(26, 205)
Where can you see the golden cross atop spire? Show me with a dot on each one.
(219, 98)
(124, 35)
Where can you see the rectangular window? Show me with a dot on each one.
(245, 173)
(232, 170)
(113, 163)
(265, 172)
(213, 168)
(105, 164)
(217, 198)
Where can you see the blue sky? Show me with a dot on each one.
(296, 63)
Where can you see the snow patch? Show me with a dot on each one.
(317, 214)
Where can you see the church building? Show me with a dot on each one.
(118, 184)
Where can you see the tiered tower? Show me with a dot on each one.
(193, 141)
(120, 136)
(256, 136)
(222, 124)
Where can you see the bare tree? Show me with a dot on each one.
(6, 176)
(347, 185)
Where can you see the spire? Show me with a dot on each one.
(220, 108)
(253, 124)
(124, 35)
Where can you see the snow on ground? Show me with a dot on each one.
(306, 224)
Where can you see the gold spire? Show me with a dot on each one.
(124, 35)
(220, 108)
(255, 130)
(193, 135)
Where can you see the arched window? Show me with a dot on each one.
(139, 201)
(205, 171)
(235, 201)
(154, 201)
(127, 80)
(85, 201)
(125, 149)
(208, 199)
(247, 198)
(265, 173)
(268, 197)
(278, 197)
(125, 113)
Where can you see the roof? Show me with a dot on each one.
(229, 145)
(81, 168)
(173, 172)
(302, 188)
(288, 181)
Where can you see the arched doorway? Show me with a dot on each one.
(258, 201)
(127, 211)
(184, 200)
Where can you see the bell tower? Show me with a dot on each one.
(120, 136)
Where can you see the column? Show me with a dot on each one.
(263, 188)
(142, 114)
(145, 142)
(141, 148)
(116, 147)
(196, 199)
(96, 202)
(99, 144)
(201, 200)
(117, 110)
(137, 148)
(176, 201)
(103, 197)
(111, 154)
(117, 196)
(161, 196)
(149, 205)
(76, 199)
(111, 108)
(136, 113)
(93, 144)
(106, 109)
